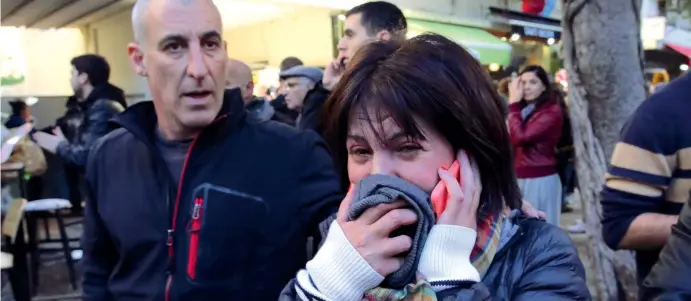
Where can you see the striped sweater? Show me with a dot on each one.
(650, 170)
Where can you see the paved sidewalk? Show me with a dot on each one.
(581, 240)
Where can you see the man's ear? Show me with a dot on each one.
(250, 87)
(83, 78)
(383, 35)
(136, 55)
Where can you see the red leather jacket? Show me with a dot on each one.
(535, 140)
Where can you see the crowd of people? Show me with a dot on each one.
(411, 175)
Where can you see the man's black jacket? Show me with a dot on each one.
(250, 194)
(670, 278)
(312, 110)
(102, 104)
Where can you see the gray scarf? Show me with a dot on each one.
(380, 189)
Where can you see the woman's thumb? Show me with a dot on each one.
(344, 208)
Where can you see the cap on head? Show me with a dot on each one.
(312, 73)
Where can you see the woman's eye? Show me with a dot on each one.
(359, 151)
(409, 148)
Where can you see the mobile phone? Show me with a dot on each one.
(440, 195)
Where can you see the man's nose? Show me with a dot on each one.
(196, 65)
(341, 45)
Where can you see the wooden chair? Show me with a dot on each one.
(10, 227)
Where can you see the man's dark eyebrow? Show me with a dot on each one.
(170, 38)
(348, 32)
(210, 34)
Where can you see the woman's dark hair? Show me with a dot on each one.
(434, 80)
(17, 106)
(542, 76)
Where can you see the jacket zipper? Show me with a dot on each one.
(171, 228)
(195, 227)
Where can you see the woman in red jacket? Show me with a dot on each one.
(535, 122)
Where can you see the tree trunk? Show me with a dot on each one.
(604, 61)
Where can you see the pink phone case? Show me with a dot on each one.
(440, 195)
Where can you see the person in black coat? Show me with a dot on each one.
(414, 111)
(97, 101)
(669, 277)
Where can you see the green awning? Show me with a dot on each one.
(484, 46)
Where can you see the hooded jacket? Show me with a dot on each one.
(234, 227)
(102, 104)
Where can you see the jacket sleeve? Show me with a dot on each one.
(99, 252)
(552, 271)
(96, 127)
(310, 116)
(318, 186)
(538, 127)
(669, 278)
(640, 170)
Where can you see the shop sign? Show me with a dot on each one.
(529, 31)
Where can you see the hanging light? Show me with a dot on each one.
(494, 67)
(550, 41)
(515, 37)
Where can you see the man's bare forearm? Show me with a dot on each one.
(648, 231)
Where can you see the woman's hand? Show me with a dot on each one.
(370, 233)
(515, 90)
(445, 258)
(464, 197)
(529, 210)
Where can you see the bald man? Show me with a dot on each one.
(239, 76)
(190, 199)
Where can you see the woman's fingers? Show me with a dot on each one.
(393, 220)
(344, 207)
(454, 191)
(396, 245)
(477, 181)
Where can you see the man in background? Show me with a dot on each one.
(649, 177)
(302, 89)
(279, 103)
(239, 75)
(364, 24)
(98, 100)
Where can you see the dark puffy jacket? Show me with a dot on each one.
(70, 122)
(310, 116)
(104, 102)
(281, 111)
(234, 227)
(669, 278)
(539, 262)
(535, 139)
